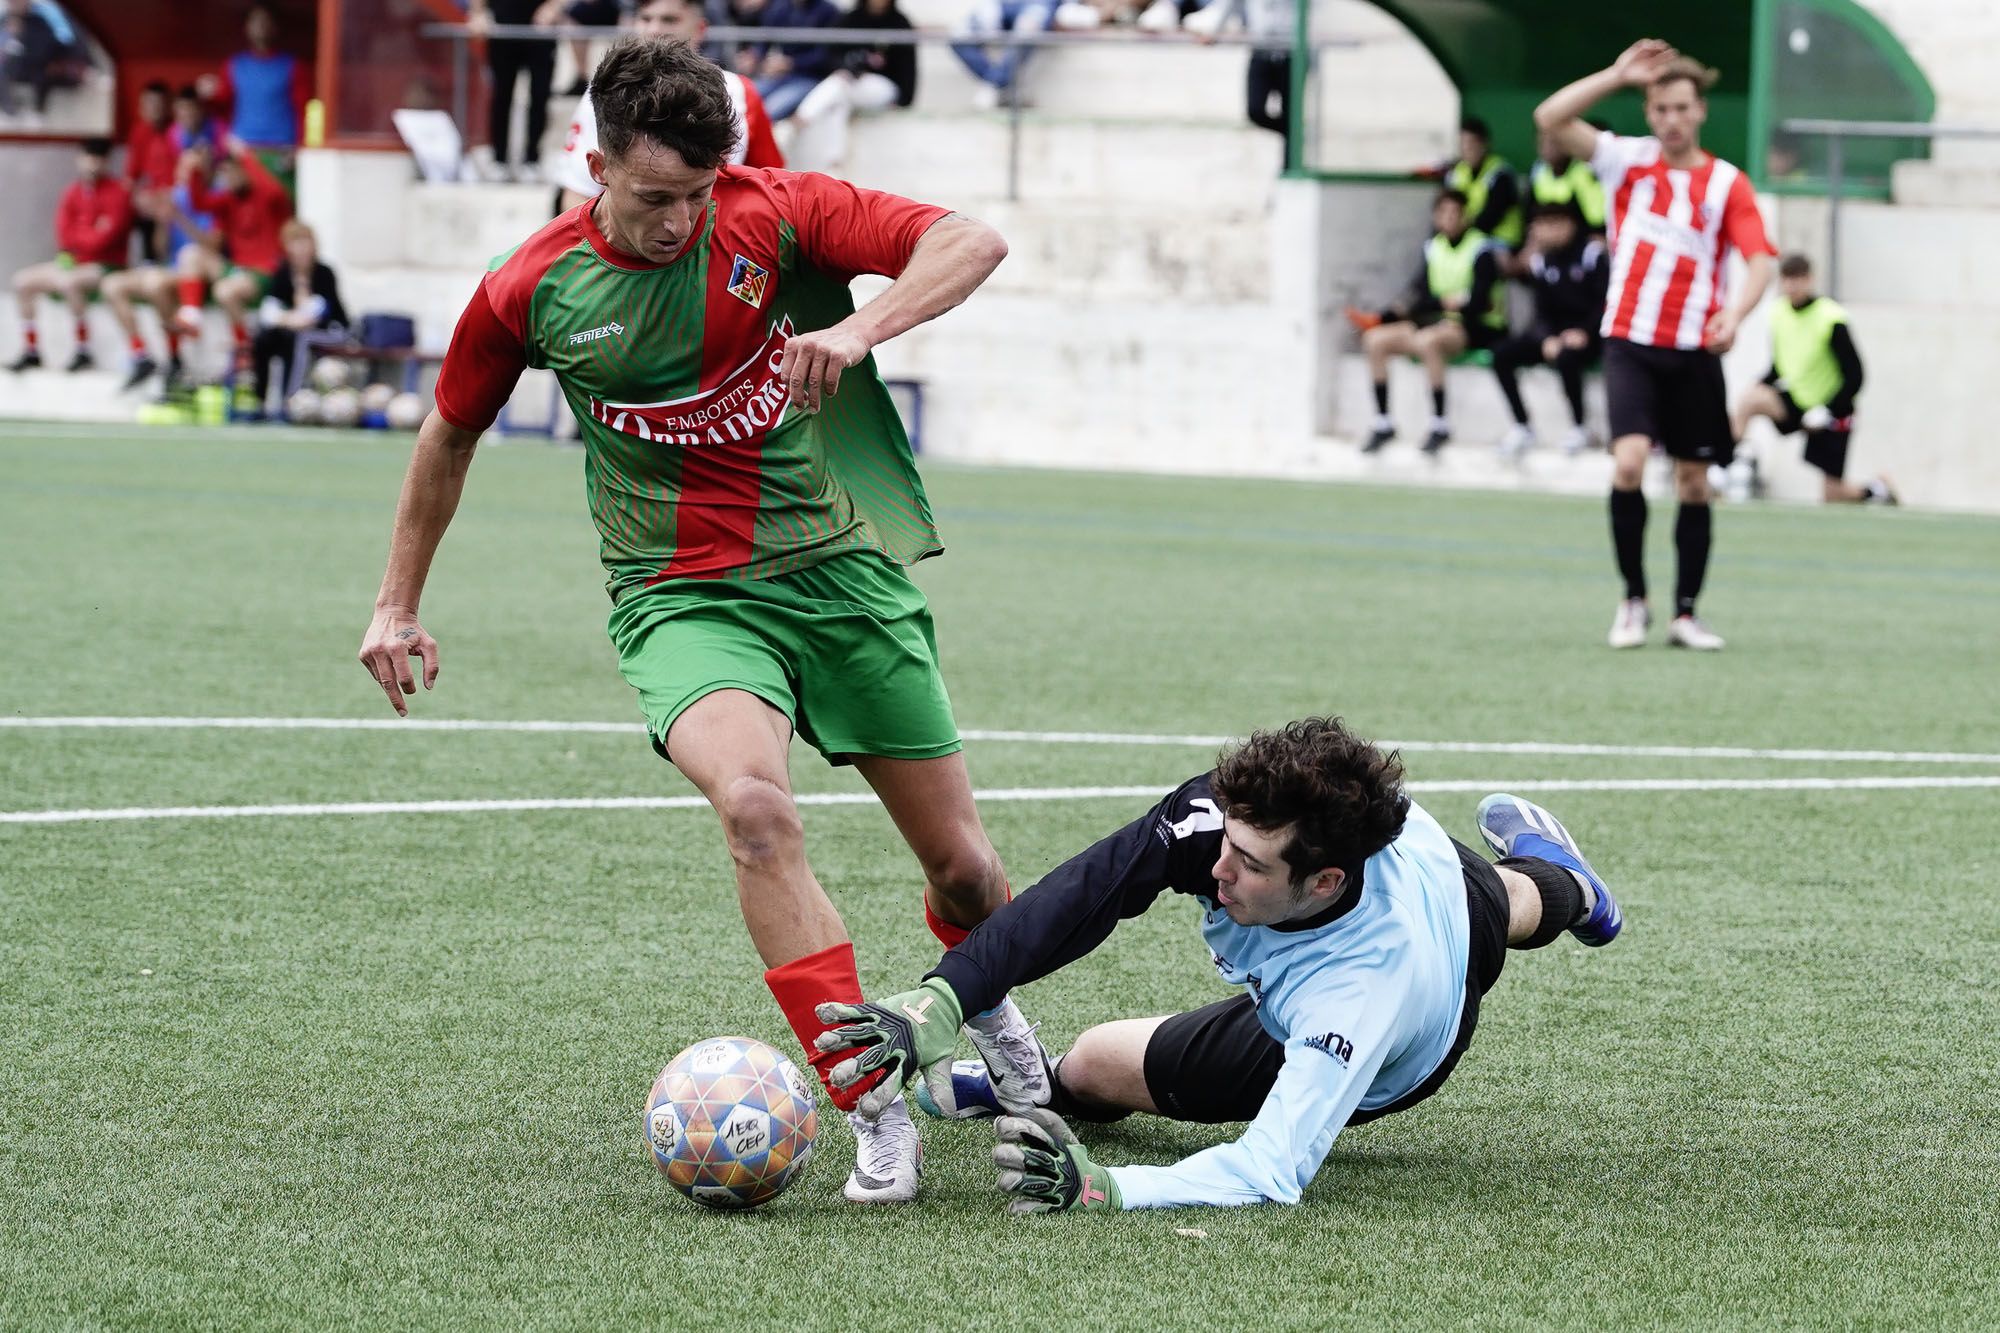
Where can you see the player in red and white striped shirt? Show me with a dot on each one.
(1674, 212)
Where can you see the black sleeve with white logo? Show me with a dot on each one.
(1075, 907)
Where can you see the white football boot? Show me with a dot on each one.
(1517, 441)
(1629, 629)
(888, 1157)
(1016, 1065)
(1688, 632)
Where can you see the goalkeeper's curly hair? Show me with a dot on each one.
(1340, 795)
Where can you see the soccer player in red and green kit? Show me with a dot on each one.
(757, 504)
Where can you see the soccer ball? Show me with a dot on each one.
(406, 412)
(731, 1122)
(302, 408)
(375, 399)
(340, 407)
(332, 372)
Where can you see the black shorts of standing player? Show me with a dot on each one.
(1215, 1065)
(1825, 449)
(1672, 396)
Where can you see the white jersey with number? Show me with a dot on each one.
(572, 169)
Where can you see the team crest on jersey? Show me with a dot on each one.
(747, 281)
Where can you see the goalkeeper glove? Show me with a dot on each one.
(905, 1035)
(1043, 1169)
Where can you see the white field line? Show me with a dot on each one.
(1019, 737)
(997, 795)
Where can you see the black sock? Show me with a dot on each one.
(1571, 370)
(1510, 389)
(1071, 1107)
(1562, 898)
(1692, 532)
(1437, 401)
(1382, 397)
(1628, 538)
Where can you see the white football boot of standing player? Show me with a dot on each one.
(888, 1157)
(1689, 632)
(1629, 629)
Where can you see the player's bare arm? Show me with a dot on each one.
(1720, 335)
(431, 487)
(1562, 114)
(954, 256)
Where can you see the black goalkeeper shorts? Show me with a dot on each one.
(1215, 1065)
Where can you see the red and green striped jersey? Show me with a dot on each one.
(697, 465)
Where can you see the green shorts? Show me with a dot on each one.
(257, 276)
(845, 649)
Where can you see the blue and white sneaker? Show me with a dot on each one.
(971, 1094)
(1516, 827)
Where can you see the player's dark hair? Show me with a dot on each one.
(1795, 266)
(666, 92)
(186, 93)
(1451, 196)
(1474, 125)
(96, 147)
(1341, 797)
(159, 86)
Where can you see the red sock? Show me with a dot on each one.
(241, 334)
(138, 345)
(191, 292)
(951, 936)
(173, 342)
(28, 334)
(804, 983)
(82, 332)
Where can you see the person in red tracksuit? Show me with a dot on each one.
(93, 238)
(250, 208)
(149, 167)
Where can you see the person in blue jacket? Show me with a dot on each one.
(1362, 935)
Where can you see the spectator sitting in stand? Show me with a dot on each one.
(871, 78)
(93, 237)
(1000, 73)
(785, 72)
(1566, 268)
(304, 296)
(262, 92)
(1455, 302)
(149, 167)
(31, 54)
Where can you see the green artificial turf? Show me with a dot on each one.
(386, 1070)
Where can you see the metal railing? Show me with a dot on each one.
(727, 39)
(1836, 133)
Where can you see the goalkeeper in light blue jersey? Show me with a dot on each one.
(1362, 936)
